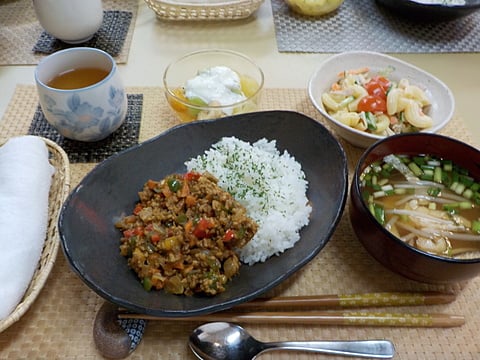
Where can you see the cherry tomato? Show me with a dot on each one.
(191, 175)
(378, 87)
(151, 184)
(133, 232)
(229, 235)
(155, 237)
(372, 104)
(138, 208)
(201, 230)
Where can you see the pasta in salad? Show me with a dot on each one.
(376, 104)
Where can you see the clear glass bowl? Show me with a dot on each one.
(187, 67)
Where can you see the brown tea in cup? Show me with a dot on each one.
(77, 78)
(75, 109)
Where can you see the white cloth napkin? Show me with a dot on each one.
(25, 179)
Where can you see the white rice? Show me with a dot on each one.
(272, 186)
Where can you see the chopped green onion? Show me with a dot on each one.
(382, 182)
(454, 185)
(460, 205)
(435, 163)
(345, 102)
(466, 180)
(446, 179)
(388, 167)
(387, 187)
(419, 160)
(462, 171)
(437, 174)
(450, 209)
(400, 191)
(467, 194)
(459, 188)
(455, 176)
(404, 158)
(426, 167)
(427, 175)
(434, 191)
(465, 205)
(475, 187)
(447, 165)
(366, 196)
(476, 198)
(476, 226)
(415, 169)
(378, 212)
(371, 123)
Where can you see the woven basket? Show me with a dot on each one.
(58, 192)
(185, 10)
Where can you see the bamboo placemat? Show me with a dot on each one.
(20, 31)
(59, 324)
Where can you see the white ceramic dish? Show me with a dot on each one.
(443, 102)
(73, 21)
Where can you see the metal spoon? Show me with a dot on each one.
(222, 340)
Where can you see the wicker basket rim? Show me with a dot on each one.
(59, 190)
(220, 3)
(185, 10)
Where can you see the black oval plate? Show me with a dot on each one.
(431, 12)
(90, 240)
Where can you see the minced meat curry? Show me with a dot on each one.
(183, 233)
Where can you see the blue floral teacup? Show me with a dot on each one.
(81, 93)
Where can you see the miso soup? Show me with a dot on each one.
(430, 203)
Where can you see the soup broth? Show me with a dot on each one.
(77, 78)
(429, 203)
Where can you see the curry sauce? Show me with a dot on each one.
(183, 235)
